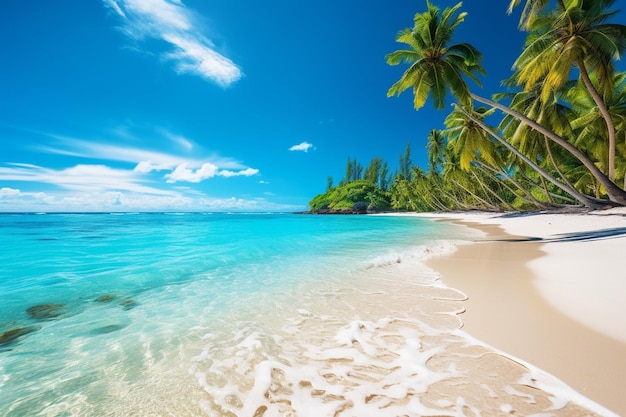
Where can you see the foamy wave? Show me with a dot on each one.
(367, 368)
(419, 253)
(385, 368)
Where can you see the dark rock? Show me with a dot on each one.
(12, 335)
(128, 304)
(107, 329)
(46, 311)
(360, 207)
(106, 298)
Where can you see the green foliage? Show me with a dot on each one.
(329, 183)
(372, 172)
(354, 171)
(436, 66)
(405, 162)
(345, 196)
(560, 141)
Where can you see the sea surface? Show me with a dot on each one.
(258, 314)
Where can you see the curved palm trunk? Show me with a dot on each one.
(476, 197)
(519, 186)
(511, 189)
(442, 206)
(605, 115)
(489, 190)
(555, 165)
(615, 193)
(545, 189)
(585, 200)
(438, 204)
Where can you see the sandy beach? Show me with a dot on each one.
(547, 288)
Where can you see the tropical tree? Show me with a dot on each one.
(575, 34)
(384, 178)
(474, 145)
(435, 67)
(584, 199)
(589, 124)
(405, 163)
(372, 171)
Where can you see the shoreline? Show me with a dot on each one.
(530, 294)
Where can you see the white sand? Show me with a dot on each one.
(584, 278)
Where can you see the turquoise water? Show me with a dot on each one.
(74, 258)
(254, 315)
(129, 296)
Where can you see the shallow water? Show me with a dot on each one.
(246, 315)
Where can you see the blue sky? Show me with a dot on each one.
(246, 105)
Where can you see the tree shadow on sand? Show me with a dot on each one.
(572, 237)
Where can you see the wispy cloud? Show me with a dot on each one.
(172, 22)
(179, 140)
(304, 147)
(80, 178)
(146, 161)
(108, 176)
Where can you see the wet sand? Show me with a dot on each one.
(506, 310)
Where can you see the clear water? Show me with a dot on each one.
(191, 314)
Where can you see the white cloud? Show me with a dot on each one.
(196, 57)
(182, 141)
(175, 24)
(126, 201)
(146, 160)
(304, 146)
(145, 167)
(9, 192)
(248, 172)
(88, 178)
(184, 173)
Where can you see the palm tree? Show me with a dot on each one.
(473, 144)
(615, 194)
(436, 67)
(584, 199)
(553, 114)
(588, 121)
(576, 34)
(468, 139)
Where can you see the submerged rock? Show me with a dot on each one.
(128, 304)
(107, 329)
(106, 298)
(12, 335)
(46, 311)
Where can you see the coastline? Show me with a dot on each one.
(546, 288)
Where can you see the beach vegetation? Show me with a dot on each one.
(358, 196)
(555, 136)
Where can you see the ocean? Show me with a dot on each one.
(244, 314)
